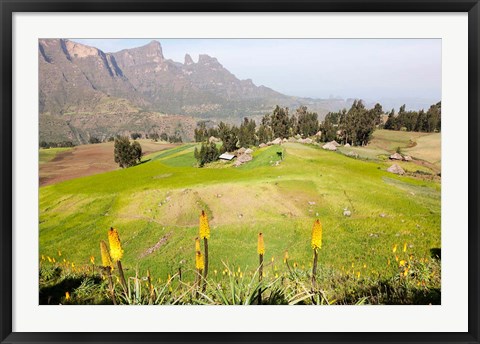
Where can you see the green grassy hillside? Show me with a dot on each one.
(156, 205)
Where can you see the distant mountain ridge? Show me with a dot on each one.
(75, 78)
(84, 92)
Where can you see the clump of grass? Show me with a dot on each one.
(241, 286)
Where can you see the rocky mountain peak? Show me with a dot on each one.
(154, 49)
(188, 60)
(79, 50)
(206, 60)
(76, 78)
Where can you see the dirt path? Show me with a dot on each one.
(87, 160)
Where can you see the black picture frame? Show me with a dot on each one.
(9, 7)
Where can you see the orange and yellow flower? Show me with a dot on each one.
(197, 245)
(285, 257)
(199, 264)
(116, 251)
(317, 235)
(204, 226)
(106, 260)
(260, 244)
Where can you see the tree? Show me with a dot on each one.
(390, 123)
(201, 133)
(246, 133)
(126, 154)
(421, 121)
(212, 132)
(307, 122)
(439, 109)
(208, 153)
(377, 112)
(94, 140)
(264, 134)
(135, 136)
(154, 136)
(328, 130)
(137, 149)
(280, 122)
(229, 137)
(357, 124)
(175, 138)
(434, 118)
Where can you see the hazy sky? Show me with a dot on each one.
(372, 69)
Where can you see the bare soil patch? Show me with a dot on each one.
(163, 240)
(87, 160)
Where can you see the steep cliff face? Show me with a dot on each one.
(76, 78)
(79, 80)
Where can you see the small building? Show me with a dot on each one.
(396, 156)
(329, 146)
(226, 156)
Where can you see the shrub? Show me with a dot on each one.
(154, 137)
(94, 140)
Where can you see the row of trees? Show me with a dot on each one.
(176, 138)
(276, 124)
(354, 126)
(280, 124)
(429, 121)
(45, 144)
(165, 137)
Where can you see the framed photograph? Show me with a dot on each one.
(239, 171)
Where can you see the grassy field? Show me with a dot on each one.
(70, 163)
(425, 148)
(156, 205)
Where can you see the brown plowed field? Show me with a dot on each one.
(87, 160)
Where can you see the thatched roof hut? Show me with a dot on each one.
(396, 169)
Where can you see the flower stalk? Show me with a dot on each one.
(316, 245)
(116, 252)
(261, 253)
(150, 287)
(205, 235)
(107, 267)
